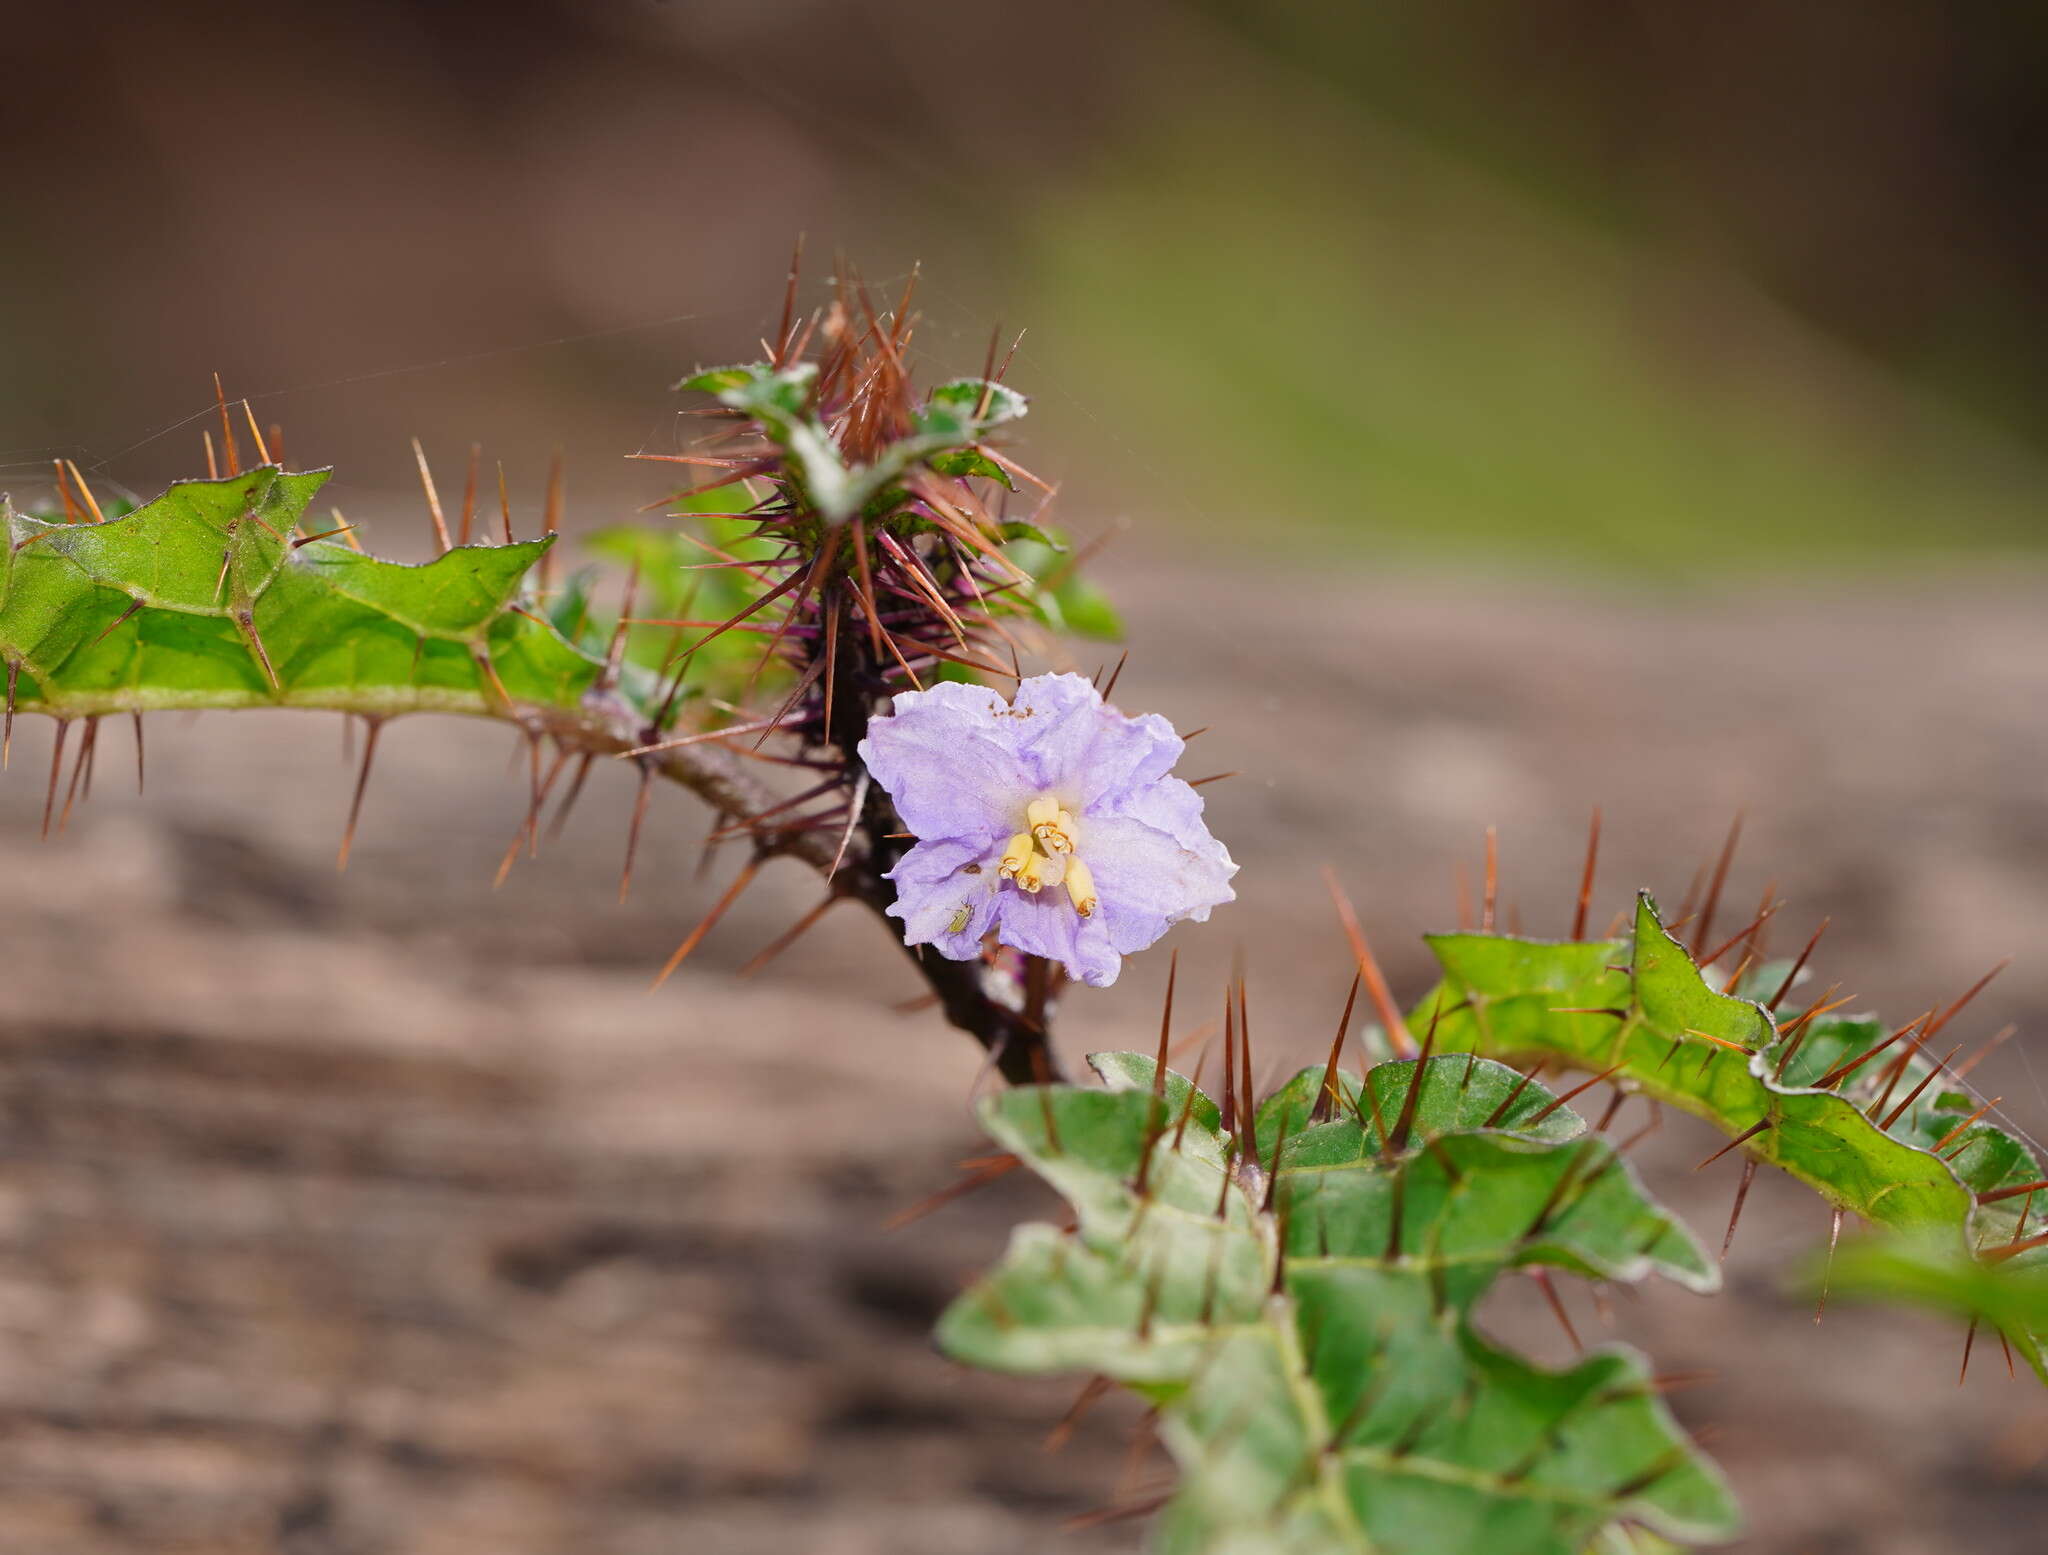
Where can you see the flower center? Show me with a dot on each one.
(1043, 855)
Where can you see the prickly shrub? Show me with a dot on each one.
(845, 602)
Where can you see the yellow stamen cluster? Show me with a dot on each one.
(1044, 856)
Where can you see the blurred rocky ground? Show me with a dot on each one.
(386, 1212)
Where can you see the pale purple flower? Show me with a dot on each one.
(1050, 819)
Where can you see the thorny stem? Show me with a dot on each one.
(1016, 1040)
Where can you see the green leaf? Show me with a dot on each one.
(779, 400)
(2010, 1295)
(1882, 1138)
(1064, 600)
(1656, 1022)
(204, 597)
(1307, 1336)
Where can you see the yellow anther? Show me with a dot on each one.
(1081, 887)
(1041, 872)
(1053, 827)
(1017, 854)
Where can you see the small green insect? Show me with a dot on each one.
(959, 922)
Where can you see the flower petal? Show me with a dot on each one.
(1083, 750)
(1047, 925)
(1149, 879)
(948, 761)
(940, 901)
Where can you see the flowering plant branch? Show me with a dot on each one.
(833, 659)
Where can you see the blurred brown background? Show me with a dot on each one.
(1501, 409)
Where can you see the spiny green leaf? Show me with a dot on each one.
(1840, 1102)
(207, 597)
(1307, 1335)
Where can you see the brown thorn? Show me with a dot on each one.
(325, 534)
(433, 498)
(1895, 1071)
(1720, 878)
(139, 773)
(1508, 1101)
(1229, 1107)
(1082, 1521)
(2013, 1249)
(1747, 931)
(1925, 1080)
(1969, 1340)
(785, 335)
(1187, 1107)
(256, 434)
(78, 768)
(984, 1174)
(372, 728)
(1949, 1138)
(1398, 1140)
(56, 770)
(1165, 1026)
(788, 937)
(551, 512)
(1543, 1283)
(246, 621)
(1327, 1094)
(1061, 1434)
(7, 737)
(476, 455)
(1998, 1040)
(85, 493)
(1742, 1138)
(1645, 1131)
(1741, 1193)
(212, 458)
(64, 491)
(117, 622)
(1798, 966)
(1273, 1176)
(1584, 1085)
(504, 503)
(227, 428)
(633, 831)
(1613, 1107)
(569, 799)
(718, 909)
(2013, 1192)
(1110, 690)
(1842, 1071)
(1970, 993)
(91, 756)
(1490, 896)
(1215, 777)
(1247, 1095)
(1396, 1029)
(1586, 879)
